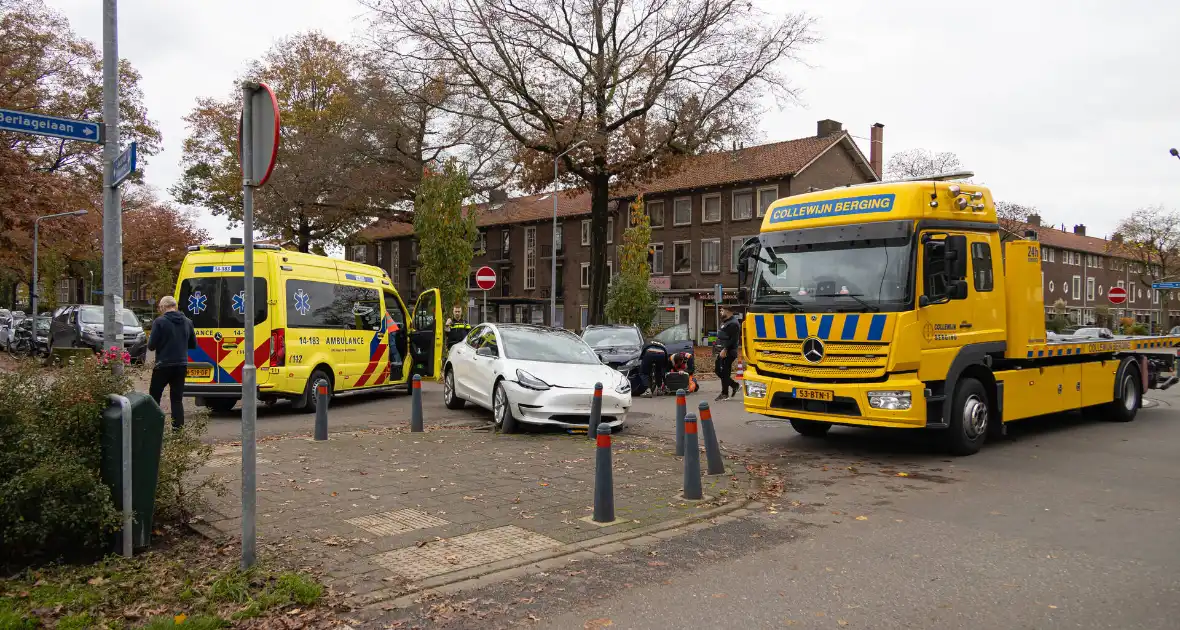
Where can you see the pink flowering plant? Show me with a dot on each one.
(114, 353)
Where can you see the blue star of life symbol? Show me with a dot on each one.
(302, 302)
(239, 303)
(197, 302)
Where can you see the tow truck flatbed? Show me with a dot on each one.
(1073, 346)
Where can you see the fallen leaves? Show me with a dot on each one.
(594, 624)
(179, 619)
(902, 474)
(862, 518)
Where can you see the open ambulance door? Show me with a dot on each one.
(426, 335)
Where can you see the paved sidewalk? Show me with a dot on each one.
(385, 512)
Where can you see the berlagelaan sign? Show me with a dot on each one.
(37, 124)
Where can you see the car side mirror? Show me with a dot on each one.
(487, 351)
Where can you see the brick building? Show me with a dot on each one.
(699, 216)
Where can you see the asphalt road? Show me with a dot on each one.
(1067, 522)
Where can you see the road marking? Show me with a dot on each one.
(394, 523)
(463, 552)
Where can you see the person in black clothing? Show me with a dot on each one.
(727, 348)
(171, 338)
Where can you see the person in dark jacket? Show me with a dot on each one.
(171, 338)
(727, 348)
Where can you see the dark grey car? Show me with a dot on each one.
(618, 345)
(80, 326)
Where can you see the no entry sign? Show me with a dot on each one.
(485, 278)
(1116, 295)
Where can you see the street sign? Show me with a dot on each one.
(485, 278)
(717, 293)
(264, 127)
(124, 165)
(1116, 295)
(1165, 285)
(37, 124)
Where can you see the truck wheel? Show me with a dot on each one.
(811, 428)
(1128, 399)
(970, 415)
(220, 405)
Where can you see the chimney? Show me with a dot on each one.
(876, 148)
(1080, 230)
(1034, 220)
(827, 127)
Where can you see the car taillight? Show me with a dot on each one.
(278, 347)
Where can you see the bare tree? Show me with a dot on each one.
(921, 163)
(640, 82)
(1151, 241)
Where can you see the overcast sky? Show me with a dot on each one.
(1069, 110)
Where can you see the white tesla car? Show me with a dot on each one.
(532, 374)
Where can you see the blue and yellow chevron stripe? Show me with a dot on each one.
(827, 326)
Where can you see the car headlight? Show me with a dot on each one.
(624, 385)
(528, 380)
(754, 389)
(893, 400)
(633, 363)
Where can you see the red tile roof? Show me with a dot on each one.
(1053, 237)
(766, 161)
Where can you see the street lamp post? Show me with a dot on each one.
(36, 238)
(553, 250)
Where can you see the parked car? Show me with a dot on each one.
(81, 326)
(675, 339)
(533, 374)
(8, 329)
(23, 340)
(1093, 331)
(617, 345)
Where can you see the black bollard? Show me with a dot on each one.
(321, 412)
(604, 479)
(416, 406)
(715, 463)
(681, 409)
(692, 461)
(595, 411)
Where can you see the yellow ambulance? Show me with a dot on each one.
(317, 321)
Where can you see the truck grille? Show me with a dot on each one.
(840, 361)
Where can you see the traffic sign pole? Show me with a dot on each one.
(112, 212)
(485, 279)
(249, 377)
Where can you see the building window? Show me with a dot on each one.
(505, 280)
(711, 255)
(505, 314)
(610, 230)
(414, 249)
(505, 241)
(981, 264)
(711, 209)
(1077, 287)
(1131, 292)
(483, 241)
(1090, 289)
(766, 197)
(380, 258)
(655, 258)
(413, 283)
(610, 272)
(584, 275)
(559, 318)
(560, 281)
(586, 232)
(530, 258)
(655, 213)
(682, 257)
(1155, 296)
(682, 211)
(394, 262)
(585, 315)
(518, 314)
(735, 247)
(559, 239)
(743, 205)
(1049, 255)
(358, 253)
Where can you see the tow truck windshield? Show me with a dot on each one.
(856, 276)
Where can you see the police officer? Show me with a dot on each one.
(456, 329)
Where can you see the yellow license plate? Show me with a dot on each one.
(813, 394)
(200, 372)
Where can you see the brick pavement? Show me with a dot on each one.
(385, 512)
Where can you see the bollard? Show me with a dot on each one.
(321, 412)
(681, 409)
(692, 460)
(715, 463)
(416, 406)
(604, 479)
(595, 411)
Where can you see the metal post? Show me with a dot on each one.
(692, 461)
(553, 260)
(249, 377)
(595, 411)
(416, 406)
(128, 519)
(716, 464)
(33, 291)
(681, 409)
(321, 412)
(604, 478)
(112, 213)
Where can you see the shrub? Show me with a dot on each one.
(178, 494)
(52, 499)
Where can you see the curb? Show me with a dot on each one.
(552, 559)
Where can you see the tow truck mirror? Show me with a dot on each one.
(956, 256)
(958, 290)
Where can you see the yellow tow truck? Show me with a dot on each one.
(906, 305)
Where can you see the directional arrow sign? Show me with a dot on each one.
(50, 126)
(124, 164)
(1165, 285)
